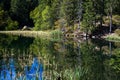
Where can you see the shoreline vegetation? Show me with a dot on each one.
(113, 37)
(55, 34)
(28, 33)
(52, 17)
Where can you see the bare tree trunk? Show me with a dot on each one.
(101, 20)
(110, 16)
(110, 48)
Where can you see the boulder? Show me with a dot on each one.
(26, 28)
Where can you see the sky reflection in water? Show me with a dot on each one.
(9, 72)
(67, 59)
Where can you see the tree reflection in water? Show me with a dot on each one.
(68, 59)
(9, 72)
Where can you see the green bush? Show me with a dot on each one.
(117, 31)
(56, 34)
(42, 18)
(11, 25)
(115, 19)
(6, 23)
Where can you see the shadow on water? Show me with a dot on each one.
(66, 59)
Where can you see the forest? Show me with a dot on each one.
(67, 15)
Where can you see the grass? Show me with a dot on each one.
(28, 33)
(113, 37)
(43, 34)
(56, 35)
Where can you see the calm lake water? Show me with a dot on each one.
(24, 58)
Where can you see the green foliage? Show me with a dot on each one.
(55, 7)
(2, 19)
(114, 61)
(110, 5)
(113, 37)
(6, 23)
(76, 74)
(117, 31)
(56, 34)
(5, 4)
(115, 20)
(59, 24)
(68, 11)
(43, 14)
(11, 25)
(42, 17)
(47, 18)
(88, 17)
(20, 10)
(37, 17)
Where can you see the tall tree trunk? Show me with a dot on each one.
(110, 16)
(101, 15)
(79, 13)
(101, 20)
(110, 48)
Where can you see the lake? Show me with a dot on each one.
(28, 58)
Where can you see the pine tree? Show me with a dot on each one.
(20, 10)
(110, 7)
(36, 15)
(42, 15)
(88, 17)
(47, 18)
(99, 10)
(79, 12)
(68, 11)
(56, 9)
